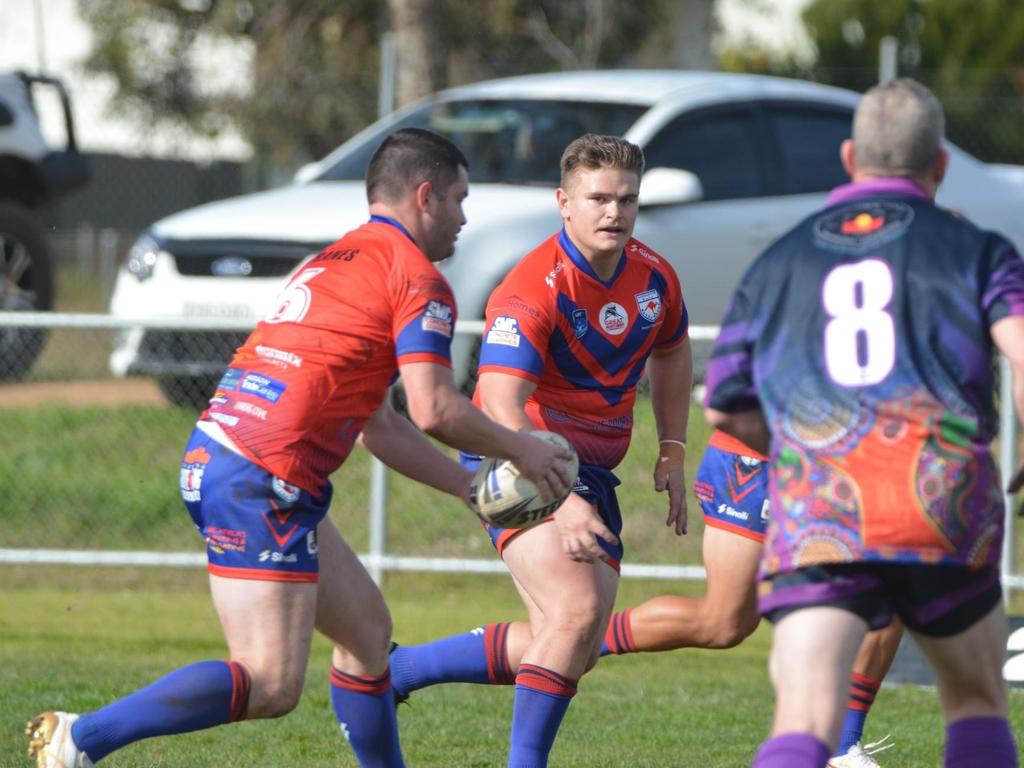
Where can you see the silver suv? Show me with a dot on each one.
(733, 161)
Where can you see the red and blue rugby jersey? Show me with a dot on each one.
(299, 390)
(583, 340)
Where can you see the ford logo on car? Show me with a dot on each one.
(231, 266)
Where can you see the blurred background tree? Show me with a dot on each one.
(969, 52)
(314, 65)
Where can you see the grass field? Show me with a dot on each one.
(77, 638)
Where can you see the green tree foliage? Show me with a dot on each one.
(969, 52)
(314, 78)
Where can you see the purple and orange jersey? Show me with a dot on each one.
(863, 336)
(583, 340)
(298, 392)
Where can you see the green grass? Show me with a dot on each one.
(107, 478)
(78, 638)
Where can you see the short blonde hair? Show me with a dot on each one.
(593, 151)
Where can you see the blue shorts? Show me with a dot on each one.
(596, 485)
(935, 600)
(733, 492)
(256, 525)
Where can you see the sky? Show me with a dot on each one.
(49, 35)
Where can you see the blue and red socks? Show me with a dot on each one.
(192, 698)
(792, 750)
(477, 656)
(542, 698)
(618, 638)
(863, 691)
(978, 742)
(365, 710)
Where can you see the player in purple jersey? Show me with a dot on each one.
(857, 352)
(279, 567)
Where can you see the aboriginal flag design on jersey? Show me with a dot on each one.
(298, 392)
(863, 335)
(583, 340)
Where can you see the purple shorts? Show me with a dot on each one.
(935, 600)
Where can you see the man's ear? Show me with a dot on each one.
(848, 157)
(940, 167)
(562, 198)
(424, 196)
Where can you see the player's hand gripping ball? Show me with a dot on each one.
(502, 497)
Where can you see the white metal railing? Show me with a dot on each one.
(376, 559)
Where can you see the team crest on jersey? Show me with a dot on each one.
(863, 225)
(580, 322)
(614, 318)
(190, 481)
(504, 331)
(437, 318)
(285, 491)
(649, 304)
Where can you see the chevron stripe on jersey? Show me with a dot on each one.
(583, 340)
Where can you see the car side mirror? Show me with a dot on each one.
(306, 173)
(670, 186)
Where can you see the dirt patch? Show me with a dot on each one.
(106, 392)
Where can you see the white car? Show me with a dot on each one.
(732, 162)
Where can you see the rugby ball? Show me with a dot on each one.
(503, 498)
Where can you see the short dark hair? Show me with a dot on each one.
(594, 151)
(409, 157)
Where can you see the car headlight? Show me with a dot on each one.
(142, 258)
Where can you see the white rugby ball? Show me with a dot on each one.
(502, 497)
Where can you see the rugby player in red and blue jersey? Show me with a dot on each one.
(569, 333)
(309, 381)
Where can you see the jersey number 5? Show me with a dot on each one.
(293, 302)
(860, 338)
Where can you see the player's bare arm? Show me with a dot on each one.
(671, 376)
(440, 410)
(1008, 335)
(503, 397)
(396, 442)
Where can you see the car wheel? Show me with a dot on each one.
(192, 392)
(26, 285)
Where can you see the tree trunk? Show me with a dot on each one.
(691, 41)
(419, 49)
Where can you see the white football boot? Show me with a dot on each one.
(50, 742)
(861, 757)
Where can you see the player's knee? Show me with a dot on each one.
(730, 631)
(274, 697)
(580, 618)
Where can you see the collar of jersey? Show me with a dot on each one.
(582, 264)
(871, 187)
(394, 223)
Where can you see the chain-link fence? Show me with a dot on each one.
(91, 462)
(90, 468)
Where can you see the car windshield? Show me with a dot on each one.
(512, 141)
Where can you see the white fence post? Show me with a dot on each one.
(378, 545)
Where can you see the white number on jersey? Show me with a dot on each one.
(293, 302)
(856, 297)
